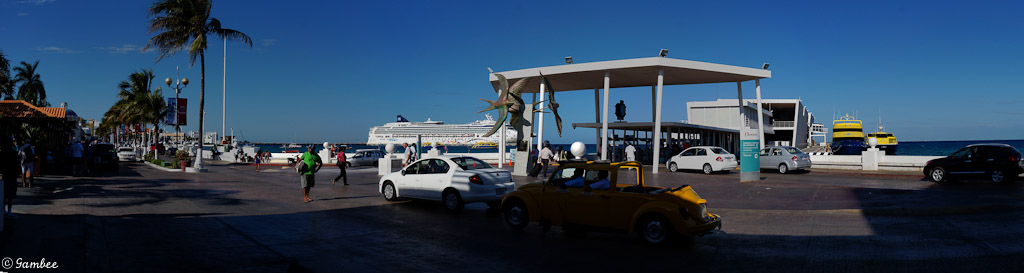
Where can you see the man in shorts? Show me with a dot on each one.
(308, 178)
(28, 161)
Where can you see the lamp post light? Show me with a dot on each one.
(177, 91)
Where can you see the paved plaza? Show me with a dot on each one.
(235, 219)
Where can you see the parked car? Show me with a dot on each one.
(126, 154)
(106, 156)
(708, 159)
(996, 162)
(784, 159)
(365, 157)
(454, 180)
(609, 196)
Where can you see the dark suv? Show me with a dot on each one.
(997, 162)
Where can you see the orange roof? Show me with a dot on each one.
(23, 109)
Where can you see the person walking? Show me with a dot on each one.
(407, 155)
(9, 166)
(630, 153)
(341, 166)
(308, 178)
(76, 158)
(257, 159)
(28, 160)
(545, 157)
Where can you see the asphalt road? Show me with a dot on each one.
(235, 219)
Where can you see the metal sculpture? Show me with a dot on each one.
(509, 103)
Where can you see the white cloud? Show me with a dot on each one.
(121, 49)
(54, 49)
(37, 2)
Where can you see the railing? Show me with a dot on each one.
(783, 123)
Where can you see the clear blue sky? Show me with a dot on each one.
(936, 70)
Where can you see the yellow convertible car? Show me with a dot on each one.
(609, 196)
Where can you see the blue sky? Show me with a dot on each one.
(936, 70)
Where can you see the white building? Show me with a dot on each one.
(787, 121)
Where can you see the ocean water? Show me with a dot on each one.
(944, 148)
(929, 148)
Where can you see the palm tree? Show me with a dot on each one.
(138, 102)
(31, 89)
(6, 83)
(187, 24)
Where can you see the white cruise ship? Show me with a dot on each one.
(436, 132)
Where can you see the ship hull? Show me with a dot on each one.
(889, 149)
(848, 147)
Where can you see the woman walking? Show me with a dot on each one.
(341, 166)
(257, 159)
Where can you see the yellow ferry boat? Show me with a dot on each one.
(847, 136)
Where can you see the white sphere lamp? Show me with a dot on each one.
(390, 148)
(577, 149)
(872, 141)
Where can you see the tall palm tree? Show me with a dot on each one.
(31, 89)
(6, 83)
(185, 24)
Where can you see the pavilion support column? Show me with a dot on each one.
(657, 122)
(654, 117)
(760, 116)
(540, 119)
(604, 119)
(597, 116)
(533, 120)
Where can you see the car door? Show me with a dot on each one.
(961, 161)
(699, 158)
(625, 203)
(556, 195)
(764, 157)
(409, 183)
(686, 159)
(589, 207)
(435, 179)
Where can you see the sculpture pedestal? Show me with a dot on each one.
(433, 152)
(869, 159)
(384, 165)
(522, 163)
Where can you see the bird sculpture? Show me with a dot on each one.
(509, 105)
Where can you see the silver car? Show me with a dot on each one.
(365, 157)
(784, 158)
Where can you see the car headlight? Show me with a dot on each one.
(704, 211)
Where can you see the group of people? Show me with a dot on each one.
(309, 163)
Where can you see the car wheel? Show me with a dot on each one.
(348, 165)
(516, 215)
(707, 168)
(997, 176)
(938, 174)
(672, 167)
(389, 191)
(783, 168)
(452, 201)
(375, 164)
(655, 229)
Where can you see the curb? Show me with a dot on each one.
(161, 168)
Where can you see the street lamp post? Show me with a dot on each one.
(177, 91)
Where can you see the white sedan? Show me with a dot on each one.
(126, 154)
(705, 158)
(454, 180)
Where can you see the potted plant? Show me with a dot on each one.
(183, 158)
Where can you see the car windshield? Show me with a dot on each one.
(719, 151)
(794, 151)
(469, 163)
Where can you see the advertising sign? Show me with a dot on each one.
(750, 164)
(171, 118)
(182, 110)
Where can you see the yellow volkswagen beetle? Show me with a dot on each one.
(609, 196)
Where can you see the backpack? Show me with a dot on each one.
(28, 156)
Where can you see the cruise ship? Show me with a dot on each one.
(438, 133)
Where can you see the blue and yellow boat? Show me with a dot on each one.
(848, 136)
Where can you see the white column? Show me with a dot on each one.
(604, 119)
(657, 122)
(224, 102)
(597, 115)
(796, 123)
(653, 114)
(501, 145)
(760, 116)
(540, 120)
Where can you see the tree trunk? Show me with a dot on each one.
(202, 104)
